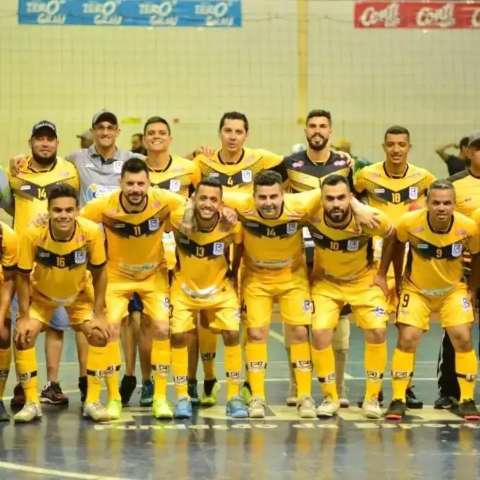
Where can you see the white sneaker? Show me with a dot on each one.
(328, 407)
(306, 407)
(28, 413)
(256, 408)
(344, 402)
(371, 408)
(96, 411)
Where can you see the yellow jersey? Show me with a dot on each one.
(59, 268)
(8, 249)
(134, 240)
(347, 253)
(434, 261)
(30, 189)
(467, 191)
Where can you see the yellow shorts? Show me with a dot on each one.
(293, 295)
(368, 303)
(80, 311)
(153, 293)
(169, 247)
(415, 309)
(221, 309)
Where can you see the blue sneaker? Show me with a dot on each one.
(183, 408)
(236, 408)
(146, 397)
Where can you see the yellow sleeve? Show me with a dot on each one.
(237, 233)
(176, 217)
(430, 178)
(473, 244)
(236, 200)
(306, 203)
(385, 226)
(269, 159)
(26, 256)
(196, 174)
(401, 229)
(174, 200)
(359, 181)
(93, 209)
(97, 256)
(9, 248)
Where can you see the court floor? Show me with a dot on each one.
(427, 444)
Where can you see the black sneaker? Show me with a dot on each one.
(396, 410)
(193, 391)
(412, 401)
(444, 403)
(82, 386)
(127, 387)
(4, 416)
(52, 394)
(18, 400)
(468, 410)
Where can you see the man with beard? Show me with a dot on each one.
(201, 284)
(34, 178)
(306, 169)
(134, 220)
(343, 273)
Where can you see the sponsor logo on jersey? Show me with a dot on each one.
(378, 190)
(413, 193)
(292, 228)
(80, 256)
(352, 245)
(218, 248)
(117, 166)
(246, 176)
(298, 164)
(457, 249)
(174, 185)
(153, 224)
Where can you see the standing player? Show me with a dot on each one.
(343, 273)
(134, 219)
(395, 186)
(52, 271)
(433, 282)
(201, 285)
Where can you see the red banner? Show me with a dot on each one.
(425, 15)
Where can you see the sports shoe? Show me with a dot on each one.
(344, 402)
(18, 400)
(246, 392)
(96, 411)
(161, 409)
(444, 403)
(183, 408)
(52, 394)
(412, 401)
(306, 407)
(127, 387)
(209, 395)
(396, 410)
(146, 395)
(28, 413)
(4, 416)
(114, 409)
(371, 408)
(256, 408)
(236, 408)
(193, 391)
(468, 410)
(82, 386)
(328, 407)
(292, 399)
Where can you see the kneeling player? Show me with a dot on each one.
(343, 274)
(201, 285)
(52, 268)
(433, 282)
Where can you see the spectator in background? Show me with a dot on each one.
(86, 139)
(137, 144)
(454, 163)
(343, 145)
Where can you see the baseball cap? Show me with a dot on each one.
(473, 138)
(104, 116)
(87, 135)
(44, 125)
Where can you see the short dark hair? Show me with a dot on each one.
(464, 142)
(210, 181)
(134, 165)
(266, 178)
(396, 130)
(61, 190)
(156, 119)
(441, 185)
(319, 113)
(335, 179)
(233, 116)
(139, 135)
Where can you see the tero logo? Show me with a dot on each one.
(216, 15)
(160, 15)
(48, 12)
(104, 12)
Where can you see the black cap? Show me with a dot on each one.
(44, 125)
(104, 116)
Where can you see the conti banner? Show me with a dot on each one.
(438, 15)
(132, 13)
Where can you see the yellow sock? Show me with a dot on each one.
(256, 355)
(113, 366)
(302, 367)
(27, 372)
(402, 371)
(375, 362)
(160, 365)
(233, 365)
(208, 347)
(324, 363)
(466, 368)
(96, 364)
(180, 371)
(5, 359)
